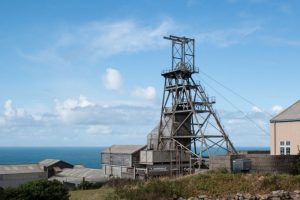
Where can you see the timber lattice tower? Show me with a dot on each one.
(187, 112)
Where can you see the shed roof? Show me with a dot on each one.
(290, 114)
(50, 162)
(20, 169)
(76, 175)
(124, 149)
(79, 173)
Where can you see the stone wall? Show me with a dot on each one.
(262, 163)
(220, 162)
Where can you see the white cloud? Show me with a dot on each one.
(71, 104)
(81, 102)
(256, 109)
(281, 41)
(277, 109)
(245, 132)
(2, 121)
(226, 38)
(67, 109)
(147, 93)
(79, 121)
(112, 79)
(99, 129)
(11, 112)
(99, 39)
(124, 36)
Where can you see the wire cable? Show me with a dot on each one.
(245, 115)
(235, 93)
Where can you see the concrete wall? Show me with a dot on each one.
(273, 163)
(110, 170)
(116, 159)
(14, 180)
(119, 165)
(118, 171)
(220, 162)
(152, 156)
(285, 131)
(262, 163)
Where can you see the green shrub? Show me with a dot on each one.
(214, 184)
(119, 182)
(271, 182)
(37, 190)
(1, 193)
(85, 185)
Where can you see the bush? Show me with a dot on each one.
(85, 185)
(41, 190)
(214, 184)
(271, 182)
(154, 188)
(119, 182)
(1, 193)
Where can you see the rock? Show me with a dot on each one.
(277, 193)
(295, 196)
(248, 196)
(192, 198)
(264, 197)
(181, 198)
(286, 195)
(261, 178)
(297, 191)
(275, 198)
(202, 197)
(239, 194)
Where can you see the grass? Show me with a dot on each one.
(213, 184)
(96, 194)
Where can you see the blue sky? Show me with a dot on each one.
(87, 73)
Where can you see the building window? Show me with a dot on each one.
(285, 147)
(281, 150)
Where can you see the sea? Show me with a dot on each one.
(87, 156)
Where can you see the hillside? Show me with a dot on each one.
(212, 184)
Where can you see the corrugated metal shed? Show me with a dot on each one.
(124, 149)
(83, 172)
(20, 169)
(48, 162)
(290, 114)
(77, 175)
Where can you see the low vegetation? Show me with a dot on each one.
(98, 194)
(39, 190)
(88, 186)
(213, 184)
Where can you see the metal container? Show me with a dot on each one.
(241, 165)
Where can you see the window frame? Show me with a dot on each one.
(285, 145)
